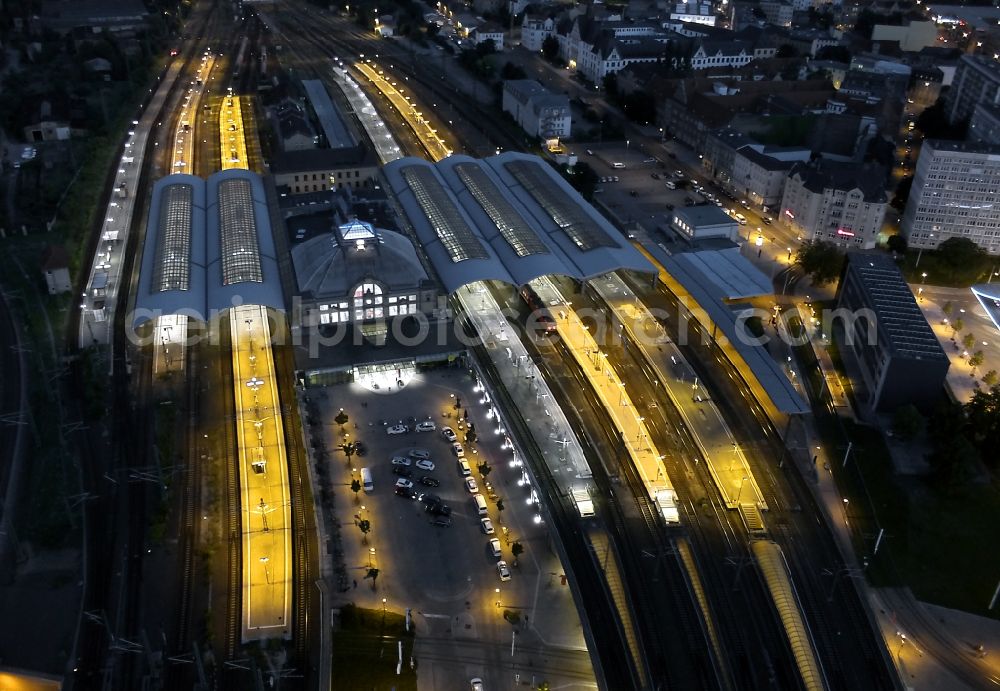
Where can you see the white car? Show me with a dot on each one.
(426, 426)
(424, 464)
(457, 449)
(448, 433)
(398, 429)
(486, 525)
(477, 684)
(495, 547)
(503, 570)
(403, 482)
(400, 460)
(470, 484)
(422, 454)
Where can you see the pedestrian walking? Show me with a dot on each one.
(355, 583)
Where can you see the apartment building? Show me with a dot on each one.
(837, 202)
(977, 80)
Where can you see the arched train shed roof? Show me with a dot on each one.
(510, 218)
(208, 246)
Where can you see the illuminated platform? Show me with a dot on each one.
(265, 509)
(232, 142)
(615, 400)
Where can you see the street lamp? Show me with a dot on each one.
(740, 493)
(498, 598)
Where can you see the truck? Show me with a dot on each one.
(122, 191)
(584, 504)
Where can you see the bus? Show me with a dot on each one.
(366, 480)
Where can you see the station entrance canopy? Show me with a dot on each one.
(509, 218)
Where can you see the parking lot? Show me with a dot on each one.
(445, 572)
(640, 193)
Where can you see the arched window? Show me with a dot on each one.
(367, 294)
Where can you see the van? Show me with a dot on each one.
(617, 164)
(464, 469)
(366, 480)
(480, 504)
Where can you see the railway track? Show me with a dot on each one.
(190, 508)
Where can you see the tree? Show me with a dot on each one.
(484, 469)
(820, 260)
(341, 419)
(968, 340)
(896, 243)
(947, 308)
(975, 361)
(990, 378)
(550, 48)
(834, 53)
(902, 194)
(471, 436)
(983, 414)
(500, 506)
(610, 85)
(933, 123)
(349, 450)
(956, 326)
(355, 487)
(956, 464)
(907, 422)
(512, 71)
(364, 525)
(640, 107)
(516, 549)
(786, 50)
(372, 574)
(962, 256)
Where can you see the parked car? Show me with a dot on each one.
(426, 426)
(503, 570)
(438, 509)
(360, 449)
(428, 498)
(428, 481)
(470, 484)
(402, 471)
(419, 453)
(486, 525)
(398, 429)
(495, 547)
(401, 460)
(457, 449)
(405, 492)
(403, 482)
(424, 464)
(448, 433)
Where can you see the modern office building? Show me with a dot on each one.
(899, 358)
(836, 202)
(977, 80)
(954, 193)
